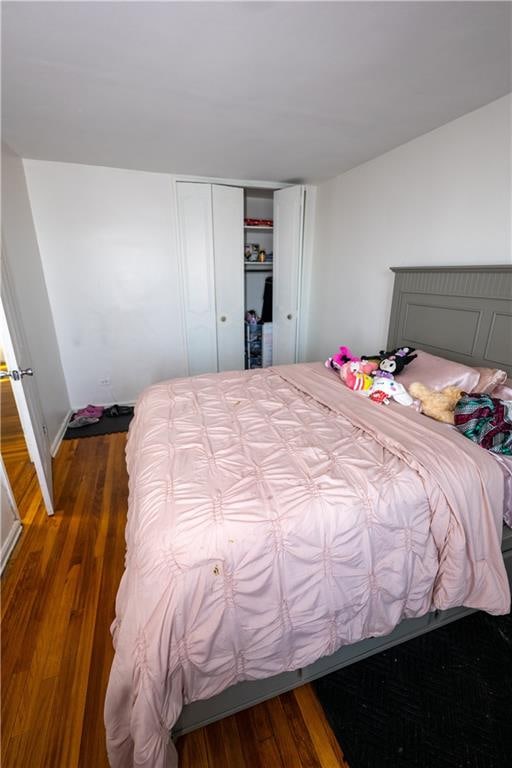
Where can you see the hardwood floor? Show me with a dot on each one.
(58, 593)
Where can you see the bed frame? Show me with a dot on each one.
(463, 314)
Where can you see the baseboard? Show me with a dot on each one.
(60, 434)
(9, 543)
(107, 405)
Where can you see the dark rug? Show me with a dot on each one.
(105, 426)
(442, 700)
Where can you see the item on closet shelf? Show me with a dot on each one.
(266, 345)
(258, 222)
(251, 251)
(485, 420)
(439, 405)
(344, 355)
(251, 317)
(253, 345)
(262, 256)
(384, 390)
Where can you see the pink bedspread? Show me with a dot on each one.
(274, 516)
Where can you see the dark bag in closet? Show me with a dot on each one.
(266, 311)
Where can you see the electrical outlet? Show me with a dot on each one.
(104, 382)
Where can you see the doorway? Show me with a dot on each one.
(24, 392)
(19, 468)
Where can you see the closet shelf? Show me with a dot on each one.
(255, 266)
(265, 229)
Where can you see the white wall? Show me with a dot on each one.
(442, 199)
(22, 255)
(107, 243)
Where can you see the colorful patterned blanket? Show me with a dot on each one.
(487, 421)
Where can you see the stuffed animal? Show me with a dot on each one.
(384, 389)
(438, 405)
(374, 358)
(392, 362)
(340, 358)
(395, 361)
(356, 375)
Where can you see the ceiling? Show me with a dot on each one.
(275, 91)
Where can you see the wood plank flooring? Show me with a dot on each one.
(58, 593)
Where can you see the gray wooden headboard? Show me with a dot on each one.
(461, 313)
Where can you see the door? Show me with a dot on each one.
(24, 386)
(195, 228)
(10, 527)
(211, 238)
(228, 247)
(288, 237)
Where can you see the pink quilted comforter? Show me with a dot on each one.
(274, 516)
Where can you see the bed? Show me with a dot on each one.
(280, 526)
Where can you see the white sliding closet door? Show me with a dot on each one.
(198, 275)
(228, 247)
(288, 231)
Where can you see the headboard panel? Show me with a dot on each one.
(461, 313)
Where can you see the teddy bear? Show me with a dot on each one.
(439, 405)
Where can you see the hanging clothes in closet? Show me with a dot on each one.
(266, 312)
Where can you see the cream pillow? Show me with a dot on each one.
(504, 391)
(490, 378)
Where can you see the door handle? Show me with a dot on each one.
(223, 318)
(289, 317)
(16, 375)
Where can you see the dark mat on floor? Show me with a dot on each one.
(443, 700)
(105, 426)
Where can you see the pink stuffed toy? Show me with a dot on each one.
(356, 374)
(340, 358)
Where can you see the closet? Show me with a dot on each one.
(240, 251)
(258, 268)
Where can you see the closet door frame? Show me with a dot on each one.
(306, 270)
